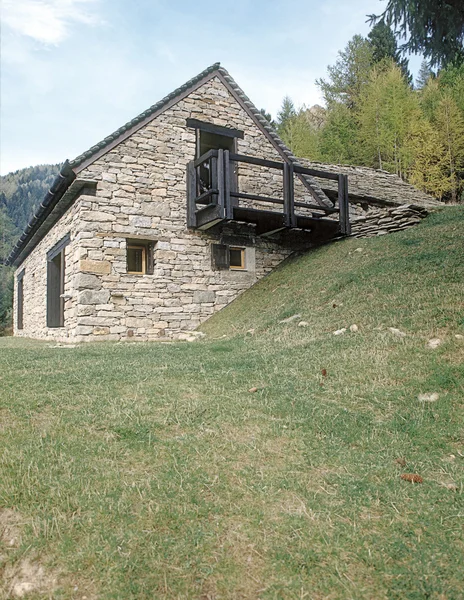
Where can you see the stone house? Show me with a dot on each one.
(166, 221)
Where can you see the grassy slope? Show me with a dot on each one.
(150, 470)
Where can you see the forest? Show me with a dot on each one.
(375, 116)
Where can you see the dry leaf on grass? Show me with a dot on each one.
(324, 372)
(401, 462)
(412, 477)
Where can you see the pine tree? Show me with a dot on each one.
(385, 48)
(425, 73)
(285, 115)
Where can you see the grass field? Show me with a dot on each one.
(151, 471)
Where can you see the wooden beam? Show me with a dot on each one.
(261, 162)
(227, 204)
(216, 129)
(191, 193)
(206, 156)
(256, 197)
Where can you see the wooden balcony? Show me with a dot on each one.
(213, 197)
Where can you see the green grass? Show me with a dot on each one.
(150, 471)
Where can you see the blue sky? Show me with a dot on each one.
(73, 71)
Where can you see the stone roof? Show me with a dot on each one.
(373, 186)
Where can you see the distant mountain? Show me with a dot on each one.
(22, 191)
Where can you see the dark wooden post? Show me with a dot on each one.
(289, 196)
(341, 203)
(229, 213)
(191, 194)
(347, 206)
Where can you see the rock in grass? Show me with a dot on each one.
(354, 328)
(401, 462)
(458, 336)
(397, 332)
(450, 486)
(433, 397)
(340, 331)
(434, 343)
(253, 390)
(303, 324)
(290, 319)
(412, 478)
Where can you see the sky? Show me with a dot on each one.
(74, 71)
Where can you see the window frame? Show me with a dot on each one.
(55, 283)
(242, 266)
(143, 247)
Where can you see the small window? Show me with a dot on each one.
(236, 258)
(140, 257)
(228, 257)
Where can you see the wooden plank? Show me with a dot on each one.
(202, 198)
(289, 199)
(347, 206)
(206, 156)
(341, 202)
(256, 197)
(207, 217)
(227, 203)
(221, 182)
(191, 193)
(216, 129)
(261, 162)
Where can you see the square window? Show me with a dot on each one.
(237, 258)
(140, 257)
(136, 259)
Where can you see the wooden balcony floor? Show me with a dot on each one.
(268, 222)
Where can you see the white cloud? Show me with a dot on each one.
(47, 21)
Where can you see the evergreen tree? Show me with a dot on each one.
(385, 48)
(349, 74)
(432, 27)
(285, 115)
(425, 73)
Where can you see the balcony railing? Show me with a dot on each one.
(214, 195)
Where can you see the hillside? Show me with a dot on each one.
(264, 461)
